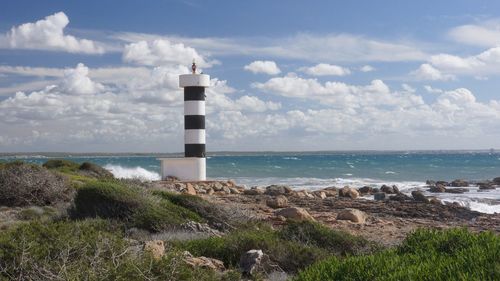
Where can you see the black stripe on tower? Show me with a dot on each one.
(194, 150)
(194, 93)
(194, 122)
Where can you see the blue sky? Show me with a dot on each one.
(89, 76)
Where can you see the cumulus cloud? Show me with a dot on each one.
(48, 34)
(367, 68)
(162, 51)
(483, 34)
(429, 72)
(324, 69)
(266, 67)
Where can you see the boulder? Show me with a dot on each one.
(430, 182)
(277, 202)
(434, 200)
(444, 183)
(353, 215)
(217, 186)
(254, 262)
(203, 262)
(349, 192)
(189, 189)
(294, 213)
(496, 181)
(486, 185)
(387, 189)
(459, 183)
(171, 178)
(379, 196)
(330, 192)
(400, 197)
(156, 248)
(275, 190)
(320, 194)
(365, 190)
(419, 196)
(456, 190)
(226, 190)
(234, 190)
(439, 188)
(253, 191)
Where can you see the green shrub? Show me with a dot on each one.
(289, 255)
(110, 199)
(455, 254)
(61, 164)
(337, 242)
(85, 250)
(24, 184)
(94, 170)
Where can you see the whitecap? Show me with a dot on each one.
(132, 173)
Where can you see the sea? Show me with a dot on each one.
(409, 170)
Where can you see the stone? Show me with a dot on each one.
(156, 248)
(253, 191)
(217, 186)
(255, 261)
(234, 190)
(379, 196)
(226, 190)
(331, 192)
(387, 189)
(171, 178)
(320, 194)
(203, 262)
(439, 188)
(444, 183)
(277, 202)
(231, 183)
(210, 191)
(496, 181)
(456, 190)
(400, 197)
(365, 190)
(419, 196)
(179, 186)
(294, 213)
(349, 192)
(193, 226)
(430, 182)
(301, 193)
(275, 190)
(353, 215)
(486, 185)
(396, 189)
(459, 183)
(190, 189)
(434, 200)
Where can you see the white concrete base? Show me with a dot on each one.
(186, 169)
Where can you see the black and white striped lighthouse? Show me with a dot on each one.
(193, 166)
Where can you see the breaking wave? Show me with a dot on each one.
(132, 173)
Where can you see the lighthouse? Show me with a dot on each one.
(193, 166)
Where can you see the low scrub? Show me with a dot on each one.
(336, 242)
(455, 254)
(86, 250)
(289, 255)
(136, 207)
(24, 184)
(86, 169)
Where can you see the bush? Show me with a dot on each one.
(85, 250)
(61, 164)
(455, 254)
(110, 199)
(218, 216)
(337, 242)
(23, 184)
(289, 255)
(95, 171)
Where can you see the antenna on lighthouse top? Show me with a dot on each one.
(193, 67)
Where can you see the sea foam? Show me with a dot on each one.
(132, 173)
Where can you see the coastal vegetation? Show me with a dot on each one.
(69, 221)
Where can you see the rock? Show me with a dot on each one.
(430, 182)
(353, 215)
(379, 196)
(193, 226)
(396, 189)
(456, 190)
(294, 213)
(375, 190)
(330, 192)
(253, 191)
(210, 191)
(190, 189)
(156, 248)
(234, 190)
(387, 189)
(365, 190)
(301, 193)
(231, 183)
(434, 200)
(400, 197)
(217, 186)
(443, 183)
(419, 196)
(226, 190)
(279, 201)
(459, 183)
(496, 181)
(439, 188)
(275, 190)
(486, 185)
(179, 186)
(255, 261)
(320, 194)
(203, 262)
(171, 178)
(349, 192)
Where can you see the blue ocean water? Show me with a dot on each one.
(408, 170)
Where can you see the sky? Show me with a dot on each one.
(102, 76)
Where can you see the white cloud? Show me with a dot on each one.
(76, 81)
(324, 69)
(429, 72)
(162, 51)
(267, 67)
(433, 90)
(48, 34)
(367, 68)
(484, 34)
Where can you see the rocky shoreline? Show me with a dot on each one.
(383, 215)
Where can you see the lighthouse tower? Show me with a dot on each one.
(193, 166)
